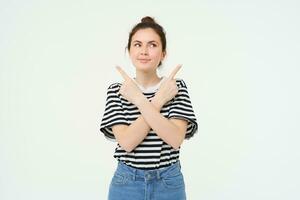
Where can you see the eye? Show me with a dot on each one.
(137, 44)
(153, 45)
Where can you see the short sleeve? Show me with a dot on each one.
(181, 108)
(113, 113)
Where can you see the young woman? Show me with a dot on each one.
(149, 117)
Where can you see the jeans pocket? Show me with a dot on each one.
(173, 181)
(119, 179)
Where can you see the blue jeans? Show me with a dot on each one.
(129, 183)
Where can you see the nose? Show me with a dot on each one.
(144, 51)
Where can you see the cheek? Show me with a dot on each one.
(132, 54)
(156, 54)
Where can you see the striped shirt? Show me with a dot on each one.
(152, 152)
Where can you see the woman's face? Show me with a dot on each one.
(146, 50)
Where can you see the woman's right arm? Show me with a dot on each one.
(130, 136)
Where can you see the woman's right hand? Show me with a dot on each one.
(168, 89)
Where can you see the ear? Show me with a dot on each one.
(163, 55)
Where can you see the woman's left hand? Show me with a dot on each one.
(129, 89)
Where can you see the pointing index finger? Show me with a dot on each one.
(123, 73)
(174, 72)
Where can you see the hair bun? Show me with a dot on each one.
(148, 19)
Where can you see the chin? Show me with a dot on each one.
(144, 67)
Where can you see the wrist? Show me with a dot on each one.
(158, 104)
(140, 100)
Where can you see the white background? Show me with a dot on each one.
(241, 65)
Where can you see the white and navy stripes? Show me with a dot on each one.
(153, 152)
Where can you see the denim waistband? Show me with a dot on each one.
(148, 174)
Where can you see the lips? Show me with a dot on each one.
(144, 60)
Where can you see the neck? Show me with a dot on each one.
(147, 79)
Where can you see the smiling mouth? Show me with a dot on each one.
(144, 60)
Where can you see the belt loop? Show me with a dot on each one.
(158, 174)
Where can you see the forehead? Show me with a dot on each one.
(145, 35)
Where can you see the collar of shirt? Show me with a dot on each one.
(150, 89)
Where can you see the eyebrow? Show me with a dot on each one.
(151, 41)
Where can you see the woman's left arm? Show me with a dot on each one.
(171, 131)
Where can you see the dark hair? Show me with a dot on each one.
(149, 22)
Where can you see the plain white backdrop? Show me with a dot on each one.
(241, 65)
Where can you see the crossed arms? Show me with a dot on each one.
(171, 131)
